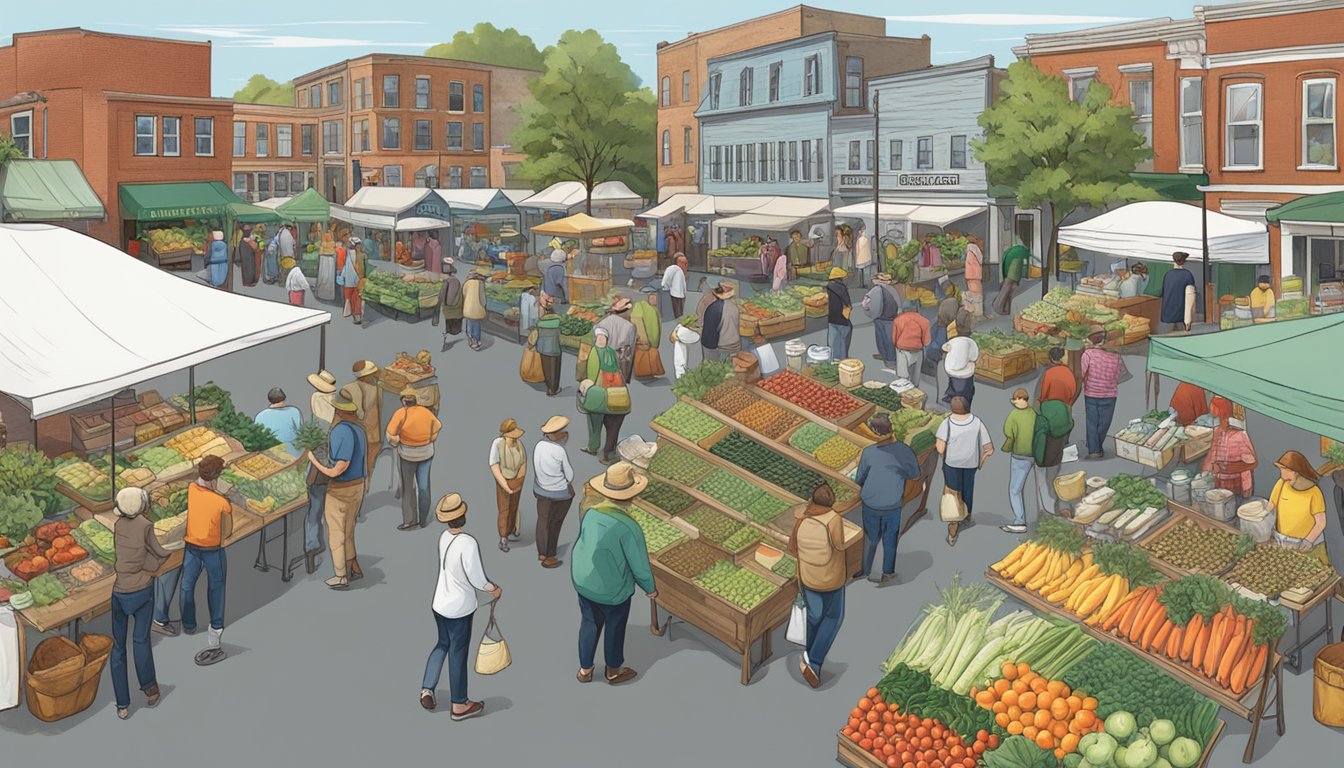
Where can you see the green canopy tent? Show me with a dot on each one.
(308, 205)
(1327, 208)
(1249, 366)
(175, 201)
(46, 190)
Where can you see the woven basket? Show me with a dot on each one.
(1327, 701)
(1072, 486)
(63, 677)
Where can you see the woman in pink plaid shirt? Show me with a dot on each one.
(1231, 457)
(1101, 371)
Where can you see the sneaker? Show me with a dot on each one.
(168, 629)
(1013, 528)
(1097, 455)
(473, 709)
(427, 700)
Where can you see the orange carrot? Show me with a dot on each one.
(1146, 610)
(1202, 643)
(1192, 631)
(1160, 639)
(1217, 640)
(1154, 626)
(1141, 605)
(1241, 670)
(1257, 664)
(1119, 614)
(1174, 643)
(1229, 658)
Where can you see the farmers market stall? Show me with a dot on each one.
(1063, 315)
(609, 199)
(50, 191)
(598, 240)
(169, 223)
(737, 238)
(310, 213)
(407, 226)
(773, 314)
(411, 296)
(1154, 439)
(486, 229)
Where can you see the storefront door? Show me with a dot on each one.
(1027, 231)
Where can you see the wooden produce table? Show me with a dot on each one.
(1000, 370)
(1181, 513)
(1147, 307)
(846, 421)
(87, 505)
(1250, 706)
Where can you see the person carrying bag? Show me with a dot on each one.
(529, 369)
(492, 655)
(817, 541)
(606, 399)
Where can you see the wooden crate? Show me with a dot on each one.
(788, 324)
(1004, 368)
(1146, 456)
(1031, 327)
(395, 381)
(1181, 513)
(860, 413)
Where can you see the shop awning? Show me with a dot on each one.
(47, 190)
(566, 195)
(308, 205)
(1173, 186)
(486, 201)
(419, 224)
(779, 214)
(679, 203)
(1247, 366)
(1154, 230)
(900, 211)
(177, 200)
(1325, 208)
(381, 207)
(247, 213)
(272, 202)
(581, 224)
(919, 213)
(92, 321)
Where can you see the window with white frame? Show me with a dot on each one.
(315, 96)
(1192, 122)
(665, 91)
(478, 98)
(239, 139)
(744, 87)
(422, 93)
(686, 145)
(773, 161)
(783, 163)
(812, 75)
(263, 186)
(427, 177)
(296, 182)
(331, 137)
(853, 155)
(359, 93)
(21, 131)
(958, 154)
(334, 93)
(1245, 125)
(818, 157)
(263, 140)
(751, 162)
(763, 162)
(667, 147)
(172, 136)
(240, 184)
(1079, 82)
(478, 177)
(740, 161)
(284, 140)
(359, 135)
(205, 137)
(454, 134)
(807, 159)
(424, 134)
(455, 177)
(776, 70)
(894, 155)
(145, 135)
(1318, 124)
(392, 91)
(716, 163)
(924, 153)
(478, 136)
(793, 161)
(391, 133)
(457, 96)
(392, 175)
(715, 86)
(281, 184)
(1141, 102)
(306, 139)
(870, 156)
(854, 81)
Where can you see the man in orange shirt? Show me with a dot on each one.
(1058, 381)
(412, 431)
(209, 525)
(911, 334)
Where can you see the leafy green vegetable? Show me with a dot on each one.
(1123, 682)
(702, 378)
(241, 427)
(46, 589)
(1128, 561)
(25, 471)
(1135, 493)
(1019, 752)
(1196, 594)
(1057, 534)
(915, 693)
(312, 436)
(19, 513)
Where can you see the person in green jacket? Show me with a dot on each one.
(1054, 422)
(607, 561)
(605, 397)
(548, 346)
(1019, 431)
(1014, 266)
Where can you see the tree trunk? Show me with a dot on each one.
(588, 201)
(1050, 258)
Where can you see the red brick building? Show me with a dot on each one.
(1244, 92)
(127, 109)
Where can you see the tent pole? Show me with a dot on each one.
(874, 246)
(191, 392)
(322, 350)
(1204, 236)
(112, 448)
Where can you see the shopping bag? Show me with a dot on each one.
(581, 367)
(951, 508)
(618, 399)
(797, 631)
(529, 370)
(492, 655)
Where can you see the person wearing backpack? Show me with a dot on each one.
(605, 397)
(818, 541)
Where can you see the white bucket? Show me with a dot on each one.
(818, 354)
(794, 350)
(1256, 521)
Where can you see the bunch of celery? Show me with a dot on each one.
(949, 636)
(1057, 650)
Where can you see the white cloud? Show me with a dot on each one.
(999, 39)
(255, 37)
(1011, 19)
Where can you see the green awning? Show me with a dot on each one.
(47, 190)
(246, 213)
(178, 200)
(1173, 186)
(1327, 208)
(1247, 366)
(308, 205)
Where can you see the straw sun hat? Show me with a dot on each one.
(323, 382)
(620, 482)
(364, 368)
(343, 401)
(450, 508)
(509, 428)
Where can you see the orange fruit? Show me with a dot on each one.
(1001, 719)
(1045, 741)
(1023, 668)
(1011, 698)
(1002, 686)
(1059, 729)
(1090, 704)
(1069, 742)
(1030, 732)
(1045, 699)
(1060, 709)
(984, 699)
(1009, 670)
(1020, 685)
(1085, 718)
(1075, 704)
(1027, 700)
(1028, 718)
(1038, 684)
(1042, 718)
(1015, 713)
(1014, 728)
(1059, 753)
(998, 707)
(1057, 687)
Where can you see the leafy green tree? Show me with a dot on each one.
(587, 119)
(261, 89)
(488, 44)
(8, 149)
(1053, 150)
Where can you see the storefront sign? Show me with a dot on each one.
(431, 208)
(185, 212)
(929, 179)
(856, 180)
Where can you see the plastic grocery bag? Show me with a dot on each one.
(797, 631)
(11, 665)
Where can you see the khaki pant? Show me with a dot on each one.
(375, 441)
(508, 506)
(341, 511)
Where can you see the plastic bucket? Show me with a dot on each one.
(1327, 701)
(794, 351)
(818, 353)
(1218, 504)
(1180, 487)
(1256, 521)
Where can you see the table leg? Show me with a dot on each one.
(766, 650)
(1295, 658)
(261, 564)
(653, 620)
(1278, 699)
(746, 664)
(1258, 713)
(287, 565)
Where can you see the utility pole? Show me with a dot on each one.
(874, 247)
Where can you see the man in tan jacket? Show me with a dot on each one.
(368, 408)
(818, 541)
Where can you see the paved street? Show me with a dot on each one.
(317, 677)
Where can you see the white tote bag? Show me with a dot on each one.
(797, 631)
(11, 663)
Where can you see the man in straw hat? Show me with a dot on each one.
(553, 485)
(719, 321)
(139, 554)
(412, 431)
(1299, 505)
(882, 304)
(324, 386)
(839, 307)
(368, 400)
(608, 560)
(459, 577)
(347, 446)
(508, 465)
(1100, 370)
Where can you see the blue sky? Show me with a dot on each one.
(275, 38)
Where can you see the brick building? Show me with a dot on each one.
(1245, 92)
(126, 109)
(408, 121)
(683, 78)
(274, 150)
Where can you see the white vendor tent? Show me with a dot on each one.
(400, 209)
(571, 195)
(777, 214)
(934, 215)
(83, 321)
(1154, 230)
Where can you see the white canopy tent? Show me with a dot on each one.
(777, 214)
(393, 208)
(932, 215)
(1154, 230)
(83, 321)
(273, 202)
(571, 195)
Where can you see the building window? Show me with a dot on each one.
(854, 81)
(958, 156)
(456, 96)
(422, 93)
(715, 163)
(391, 133)
(284, 141)
(205, 137)
(894, 158)
(685, 86)
(172, 136)
(21, 131)
(454, 134)
(807, 159)
(793, 161)
(1079, 82)
(783, 162)
(392, 91)
(775, 70)
(739, 159)
(1244, 125)
(360, 96)
(306, 140)
(715, 85)
(427, 177)
(263, 140)
(331, 137)
(478, 177)
(667, 147)
(685, 145)
(455, 177)
(871, 155)
(751, 162)
(1318, 124)
(478, 136)
(819, 173)
(812, 75)
(744, 87)
(145, 138)
(310, 179)
(263, 186)
(761, 154)
(478, 98)
(1141, 100)
(315, 96)
(424, 138)
(281, 184)
(239, 139)
(295, 182)
(665, 91)
(359, 135)
(854, 155)
(240, 184)
(1192, 122)
(303, 96)
(391, 175)
(334, 93)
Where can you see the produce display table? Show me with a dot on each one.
(846, 421)
(1250, 706)
(282, 514)
(1000, 370)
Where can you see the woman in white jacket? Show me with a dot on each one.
(683, 337)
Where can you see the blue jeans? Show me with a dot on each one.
(124, 606)
(165, 584)
(881, 526)
(215, 563)
(415, 494)
(312, 519)
(607, 620)
(473, 329)
(962, 481)
(1100, 411)
(454, 645)
(1019, 467)
(886, 346)
(838, 338)
(825, 613)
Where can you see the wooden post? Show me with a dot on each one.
(1204, 237)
